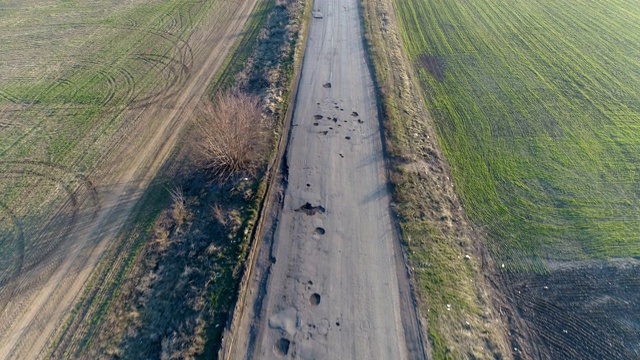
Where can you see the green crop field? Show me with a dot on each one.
(65, 64)
(74, 76)
(537, 105)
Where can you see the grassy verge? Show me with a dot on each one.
(446, 256)
(243, 49)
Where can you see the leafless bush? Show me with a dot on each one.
(234, 137)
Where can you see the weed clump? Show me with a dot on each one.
(179, 212)
(234, 135)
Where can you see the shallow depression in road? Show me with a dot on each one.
(314, 299)
(281, 347)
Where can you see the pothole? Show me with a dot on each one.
(281, 347)
(354, 114)
(317, 117)
(327, 85)
(319, 231)
(314, 299)
(310, 209)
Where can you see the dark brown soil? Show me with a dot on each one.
(586, 310)
(434, 64)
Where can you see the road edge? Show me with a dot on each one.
(275, 174)
(408, 297)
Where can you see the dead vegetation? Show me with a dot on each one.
(234, 135)
(179, 212)
(176, 294)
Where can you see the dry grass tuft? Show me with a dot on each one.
(234, 135)
(179, 211)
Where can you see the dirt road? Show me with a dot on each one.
(45, 294)
(335, 285)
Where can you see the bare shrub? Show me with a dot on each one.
(234, 136)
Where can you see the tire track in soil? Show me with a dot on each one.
(116, 79)
(66, 83)
(53, 235)
(46, 306)
(169, 88)
(6, 291)
(111, 88)
(73, 186)
(173, 69)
